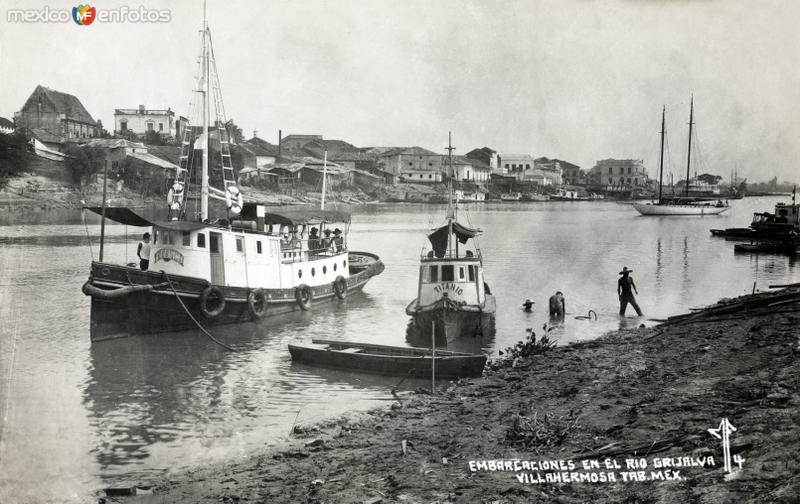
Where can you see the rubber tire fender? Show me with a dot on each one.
(340, 287)
(205, 295)
(303, 296)
(255, 298)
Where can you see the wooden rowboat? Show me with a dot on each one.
(384, 359)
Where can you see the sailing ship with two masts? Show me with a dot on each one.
(236, 263)
(453, 300)
(677, 205)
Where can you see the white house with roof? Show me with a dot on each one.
(140, 121)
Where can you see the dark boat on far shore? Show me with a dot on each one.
(391, 360)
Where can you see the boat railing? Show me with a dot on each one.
(299, 250)
(460, 256)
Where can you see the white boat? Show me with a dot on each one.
(452, 297)
(511, 196)
(679, 206)
(470, 196)
(220, 266)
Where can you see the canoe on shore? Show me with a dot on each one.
(384, 359)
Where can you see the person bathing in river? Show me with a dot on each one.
(527, 306)
(624, 286)
(143, 251)
(557, 306)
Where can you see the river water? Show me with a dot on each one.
(76, 417)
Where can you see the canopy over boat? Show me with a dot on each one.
(124, 215)
(296, 216)
(438, 238)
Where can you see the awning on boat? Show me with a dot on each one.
(438, 238)
(296, 216)
(124, 215)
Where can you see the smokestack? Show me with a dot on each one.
(280, 139)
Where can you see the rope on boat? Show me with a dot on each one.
(199, 326)
(88, 238)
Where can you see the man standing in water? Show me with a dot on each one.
(143, 251)
(556, 303)
(624, 286)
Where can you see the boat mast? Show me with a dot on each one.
(206, 111)
(689, 153)
(451, 209)
(324, 177)
(661, 163)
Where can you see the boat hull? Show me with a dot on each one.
(162, 303)
(651, 209)
(387, 360)
(451, 322)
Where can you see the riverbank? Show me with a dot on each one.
(646, 395)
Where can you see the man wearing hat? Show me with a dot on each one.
(338, 241)
(327, 241)
(624, 286)
(313, 240)
(528, 305)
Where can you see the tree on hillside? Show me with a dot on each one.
(12, 155)
(709, 179)
(153, 137)
(234, 131)
(83, 162)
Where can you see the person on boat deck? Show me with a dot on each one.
(143, 251)
(327, 242)
(314, 243)
(285, 241)
(338, 240)
(624, 286)
(296, 236)
(556, 303)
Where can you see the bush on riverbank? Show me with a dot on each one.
(12, 156)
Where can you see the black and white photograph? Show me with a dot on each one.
(374, 252)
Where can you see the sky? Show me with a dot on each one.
(574, 80)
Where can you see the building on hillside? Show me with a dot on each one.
(6, 126)
(59, 114)
(252, 155)
(619, 173)
(421, 176)
(142, 120)
(334, 148)
(354, 160)
(470, 170)
(410, 159)
(486, 155)
(550, 170)
(572, 173)
(512, 164)
(291, 143)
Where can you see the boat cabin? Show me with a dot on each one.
(259, 250)
(452, 268)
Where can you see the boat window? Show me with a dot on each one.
(299, 273)
(461, 272)
(448, 273)
(324, 269)
(201, 240)
(334, 266)
(187, 239)
(434, 274)
(214, 245)
(239, 244)
(313, 272)
(471, 273)
(258, 247)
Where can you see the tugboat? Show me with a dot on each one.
(452, 299)
(243, 265)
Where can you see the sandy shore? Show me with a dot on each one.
(639, 396)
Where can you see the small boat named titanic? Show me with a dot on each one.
(452, 298)
(384, 359)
